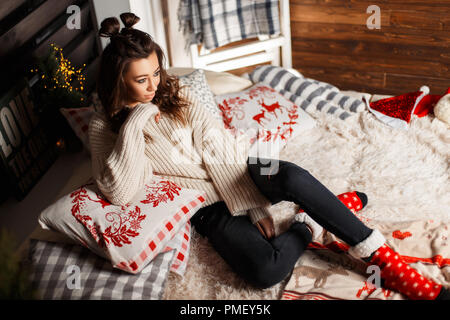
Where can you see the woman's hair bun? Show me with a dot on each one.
(109, 27)
(129, 19)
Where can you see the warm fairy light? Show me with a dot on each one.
(60, 143)
(65, 76)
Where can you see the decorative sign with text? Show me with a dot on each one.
(25, 150)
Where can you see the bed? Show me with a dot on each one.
(405, 174)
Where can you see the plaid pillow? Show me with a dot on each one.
(78, 119)
(69, 271)
(129, 236)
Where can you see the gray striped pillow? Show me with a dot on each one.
(311, 95)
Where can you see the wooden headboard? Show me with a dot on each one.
(27, 28)
(332, 42)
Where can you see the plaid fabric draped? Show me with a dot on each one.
(215, 23)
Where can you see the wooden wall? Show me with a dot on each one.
(331, 42)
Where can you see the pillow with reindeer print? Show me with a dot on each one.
(130, 236)
(266, 116)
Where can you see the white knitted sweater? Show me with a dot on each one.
(203, 156)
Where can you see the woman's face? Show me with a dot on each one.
(142, 79)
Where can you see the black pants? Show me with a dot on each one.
(264, 262)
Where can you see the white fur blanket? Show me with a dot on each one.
(404, 173)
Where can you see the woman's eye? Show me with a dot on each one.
(141, 81)
(157, 73)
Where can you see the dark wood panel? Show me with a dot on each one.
(82, 50)
(396, 82)
(332, 14)
(373, 82)
(28, 27)
(9, 6)
(419, 5)
(372, 49)
(90, 73)
(330, 41)
(361, 64)
(63, 35)
(435, 20)
(347, 80)
(310, 31)
(18, 61)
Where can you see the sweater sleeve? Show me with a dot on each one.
(119, 165)
(225, 159)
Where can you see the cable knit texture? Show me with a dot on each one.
(202, 155)
(368, 246)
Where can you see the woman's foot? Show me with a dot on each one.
(315, 228)
(399, 276)
(354, 200)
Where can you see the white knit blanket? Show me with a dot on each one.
(404, 173)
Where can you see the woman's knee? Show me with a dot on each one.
(293, 175)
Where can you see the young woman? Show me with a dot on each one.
(152, 126)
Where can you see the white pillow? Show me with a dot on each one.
(132, 235)
(219, 82)
(200, 89)
(266, 116)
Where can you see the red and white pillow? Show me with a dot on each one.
(266, 116)
(129, 236)
(78, 119)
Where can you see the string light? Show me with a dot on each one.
(65, 76)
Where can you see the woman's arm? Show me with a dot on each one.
(119, 165)
(225, 159)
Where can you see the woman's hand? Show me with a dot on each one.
(158, 116)
(266, 227)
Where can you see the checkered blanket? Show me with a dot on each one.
(68, 271)
(215, 23)
(64, 271)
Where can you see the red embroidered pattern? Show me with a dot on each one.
(161, 192)
(123, 223)
(264, 91)
(80, 196)
(397, 234)
(232, 108)
(371, 288)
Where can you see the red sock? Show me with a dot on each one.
(400, 277)
(352, 200)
